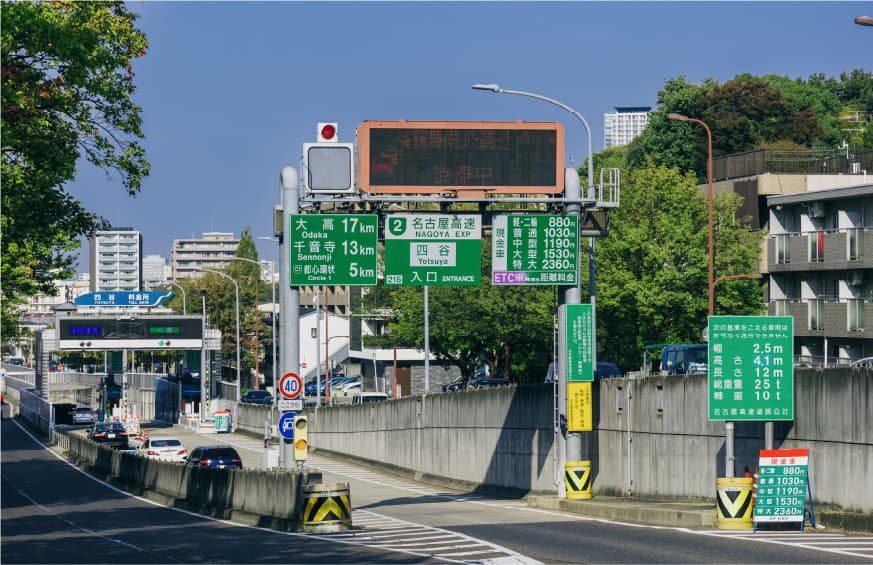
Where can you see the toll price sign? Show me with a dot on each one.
(535, 250)
(580, 342)
(433, 250)
(751, 374)
(333, 249)
(783, 482)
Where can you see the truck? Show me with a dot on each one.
(676, 359)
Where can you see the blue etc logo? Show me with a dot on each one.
(286, 425)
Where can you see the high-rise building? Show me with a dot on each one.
(213, 251)
(621, 126)
(116, 260)
(153, 267)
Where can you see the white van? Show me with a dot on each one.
(366, 397)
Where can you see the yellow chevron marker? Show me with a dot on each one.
(577, 479)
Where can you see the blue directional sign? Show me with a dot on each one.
(124, 299)
(286, 425)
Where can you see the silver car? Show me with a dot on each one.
(166, 448)
(83, 415)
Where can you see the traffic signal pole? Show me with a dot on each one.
(289, 299)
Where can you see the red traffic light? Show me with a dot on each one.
(327, 131)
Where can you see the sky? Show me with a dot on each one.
(230, 91)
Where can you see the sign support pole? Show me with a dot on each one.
(572, 295)
(290, 296)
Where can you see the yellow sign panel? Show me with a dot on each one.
(579, 407)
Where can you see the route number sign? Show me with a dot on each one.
(290, 385)
(751, 375)
(535, 250)
(333, 249)
(783, 482)
(433, 250)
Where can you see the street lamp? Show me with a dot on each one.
(273, 310)
(710, 283)
(236, 290)
(864, 21)
(258, 314)
(184, 299)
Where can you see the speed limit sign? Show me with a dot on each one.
(290, 385)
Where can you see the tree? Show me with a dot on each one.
(507, 325)
(652, 268)
(66, 93)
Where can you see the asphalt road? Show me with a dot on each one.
(52, 513)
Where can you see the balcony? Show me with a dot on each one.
(832, 317)
(820, 250)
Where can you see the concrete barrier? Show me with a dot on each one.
(652, 437)
(265, 498)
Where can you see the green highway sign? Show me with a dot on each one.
(433, 250)
(333, 249)
(580, 342)
(535, 249)
(751, 375)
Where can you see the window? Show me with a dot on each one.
(856, 315)
(816, 247)
(816, 314)
(783, 249)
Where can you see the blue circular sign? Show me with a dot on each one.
(286, 425)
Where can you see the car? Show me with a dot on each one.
(16, 361)
(83, 415)
(218, 456)
(367, 397)
(481, 380)
(606, 370)
(109, 434)
(457, 384)
(257, 397)
(165, 448)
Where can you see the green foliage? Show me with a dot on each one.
(508, 325)
(652, 268)
(66, 93)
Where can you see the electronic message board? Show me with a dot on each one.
(146, 332)
(436, 157)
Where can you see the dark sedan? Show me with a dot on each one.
(257, 397)
(220, 456)
(110, 434)
(482, 381)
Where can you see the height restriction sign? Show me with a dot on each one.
(751, 375)
(433, 250)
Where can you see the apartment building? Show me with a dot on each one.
(116, 260)
(621, 126)
(820, 261)
(154, 271)
(214, 250)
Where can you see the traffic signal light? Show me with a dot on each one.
(301, 441)
(329, 165)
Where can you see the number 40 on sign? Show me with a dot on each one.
(290, 385)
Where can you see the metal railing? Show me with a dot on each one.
(798, 161)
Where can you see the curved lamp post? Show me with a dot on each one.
(184, 299)
(864, 21)
(710, 284)
(236, 289)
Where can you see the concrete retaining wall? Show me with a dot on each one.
(271, 497)
(504, 437)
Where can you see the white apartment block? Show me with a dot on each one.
(116, 260)
(212, 251)
(153, 271)
(40, 309)
(621, 126)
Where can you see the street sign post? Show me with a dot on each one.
(286, 424)
(534, 249)
(580, 342)
(751, 375)
(433, 250)
(333, 249)
(290, 385)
